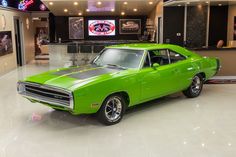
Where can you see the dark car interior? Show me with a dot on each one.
(162, 60)
(164, 57)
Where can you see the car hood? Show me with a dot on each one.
(69, 77)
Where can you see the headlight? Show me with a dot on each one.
(20, 87)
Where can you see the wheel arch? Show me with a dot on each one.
(203, 75)
(124, 94)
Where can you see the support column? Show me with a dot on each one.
(208, 24)
(185, 22)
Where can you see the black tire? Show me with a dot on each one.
(195, 89)
(112, 110)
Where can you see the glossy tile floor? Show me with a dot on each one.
(170, 127)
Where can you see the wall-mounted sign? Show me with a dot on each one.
(24, 4)
(130, 26)
(76, 28)
(5, 43)
(102, 27)
(4, 3)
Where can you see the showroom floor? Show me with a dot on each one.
(170, 127)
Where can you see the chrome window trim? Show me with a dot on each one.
(146, 54)
(142, 60)
(168, 54)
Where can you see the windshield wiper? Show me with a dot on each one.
(118, 66)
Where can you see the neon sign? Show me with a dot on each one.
(4, 3)
(42, 7)
(24, 4)
(102, 27)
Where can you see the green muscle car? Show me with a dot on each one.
(121, 76)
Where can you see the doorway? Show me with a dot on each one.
(19, 41)
(41, 38)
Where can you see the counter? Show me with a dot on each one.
(227, 58)
(94, 42)
(84, 51)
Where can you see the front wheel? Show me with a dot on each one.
(195, 88)
(112, 110)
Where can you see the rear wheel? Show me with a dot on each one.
(195, 88)
(112, 110)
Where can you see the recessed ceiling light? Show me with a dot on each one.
(87, 10)
(179, 5)
(50, 3)
(188, 3)
(207, 2)
(112, 10)
(125, 3)
(75, 3)
(99, 3)
(150, 2)
(220, 4)
(80, 14)
(135, 10)
(122, 13)
(65, 10)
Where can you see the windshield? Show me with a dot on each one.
(123, 58)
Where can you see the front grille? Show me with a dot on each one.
(46, 94)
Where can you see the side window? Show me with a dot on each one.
(159, 56)
(175, 57)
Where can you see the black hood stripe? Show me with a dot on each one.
(85, 72)
(73, 70)
(93, 73)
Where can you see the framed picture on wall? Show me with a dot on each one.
(76, 28)
(130, 26)
(5, 43)
(234, 27)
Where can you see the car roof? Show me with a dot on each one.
(143, 46)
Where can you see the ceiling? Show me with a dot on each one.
(100, 7)
(197, 2)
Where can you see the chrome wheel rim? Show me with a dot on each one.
(196, 85)
(113, 109)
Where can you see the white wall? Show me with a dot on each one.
(8, 62)
(232, 13)
(155, 13)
